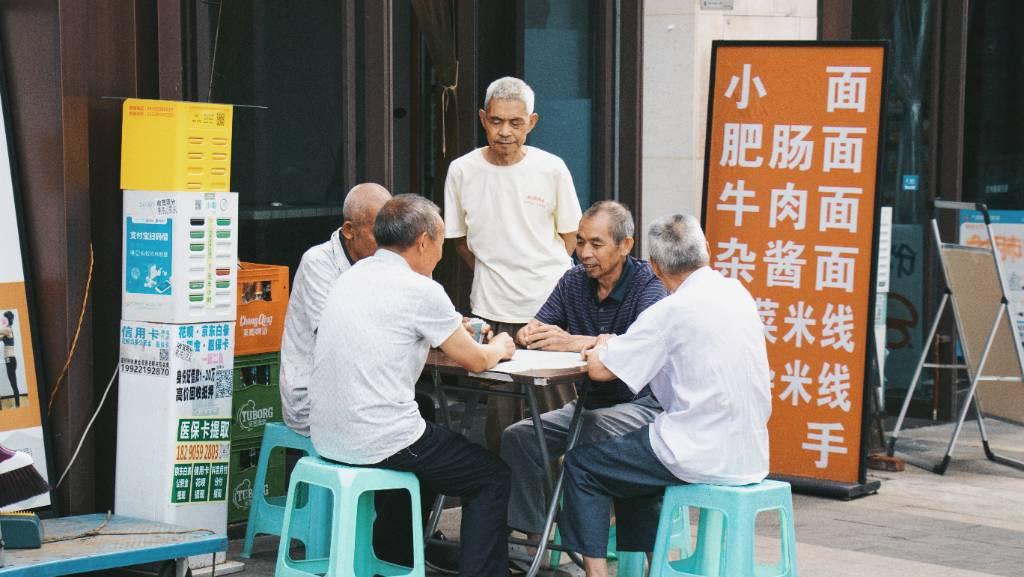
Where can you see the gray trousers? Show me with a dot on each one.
(519, 449)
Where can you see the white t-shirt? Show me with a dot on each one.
(320, 267)
(511, 217)
(702, 350)
(380, 321)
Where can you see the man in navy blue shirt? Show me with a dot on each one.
(604, 294)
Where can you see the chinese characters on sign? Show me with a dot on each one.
(789, 209)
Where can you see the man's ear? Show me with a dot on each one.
(348, 230)
(534, 117)
(423, 242)
(627, 245)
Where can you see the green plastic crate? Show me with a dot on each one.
(256, 396)
(242, 477)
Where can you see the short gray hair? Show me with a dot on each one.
(510, 88)
(677, 244)
(403, 219)
(621, 225)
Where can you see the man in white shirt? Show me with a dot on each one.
(319, 269)
(381, 319)
(703, 352)
(513, 212)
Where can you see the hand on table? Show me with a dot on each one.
(505, 342)
(538, 336)
(600, 343)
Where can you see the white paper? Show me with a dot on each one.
(527, 360)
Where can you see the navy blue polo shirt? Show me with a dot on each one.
(574, 307)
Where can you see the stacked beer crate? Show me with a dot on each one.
(262, 303)
(177, 338)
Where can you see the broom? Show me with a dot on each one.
(19, 479)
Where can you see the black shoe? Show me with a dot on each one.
(442, 558)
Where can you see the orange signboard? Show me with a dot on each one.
(789, 209)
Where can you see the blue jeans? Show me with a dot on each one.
(624, 470)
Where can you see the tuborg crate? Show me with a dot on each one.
(245, 456)
(182, 146)
(256, 398)
(262, 303)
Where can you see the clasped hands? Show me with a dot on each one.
(539, 336)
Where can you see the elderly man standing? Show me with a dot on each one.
(603, 294)
(512, 210)
(319, 269)
(702, 350)
(381, 319)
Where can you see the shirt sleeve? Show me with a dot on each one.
(640, 354)
(454, 215)
(553, 311)
(568, 212)
(437, 318)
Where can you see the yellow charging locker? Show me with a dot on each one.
(176, 146)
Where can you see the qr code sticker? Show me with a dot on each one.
(165, 355)
(183, 351)
(222, 384)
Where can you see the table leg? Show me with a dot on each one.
(556, 494)
(181, 566)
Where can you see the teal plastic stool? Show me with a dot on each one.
(351, 547)
(725, 533)
(631, 563)
(266, 515)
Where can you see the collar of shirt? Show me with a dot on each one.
(391, 257)
(696, 276)
(619, 290)
(338, 251)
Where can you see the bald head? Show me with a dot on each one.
(364, 197)
(362, 204)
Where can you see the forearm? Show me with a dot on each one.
(595, 367)
(462, 247)
(569, 239)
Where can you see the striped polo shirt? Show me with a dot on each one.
(574, 307)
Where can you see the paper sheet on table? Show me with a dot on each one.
(527, 360)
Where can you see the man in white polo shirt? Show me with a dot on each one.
(513, 212)
(702, 350)
(381, 319)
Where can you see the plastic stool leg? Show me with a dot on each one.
(258, 505)
(631, 563)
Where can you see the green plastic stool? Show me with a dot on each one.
(725, 533)
(351, 546)
(266, 515)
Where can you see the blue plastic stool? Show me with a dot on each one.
(351, 546)
(311, 522)
(725, 534)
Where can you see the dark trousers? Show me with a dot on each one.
(626, 470)
(392, 531)
(446, 462)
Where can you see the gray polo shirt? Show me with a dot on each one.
(380, 320)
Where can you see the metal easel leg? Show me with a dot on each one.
(891, 449)
(941, 467)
